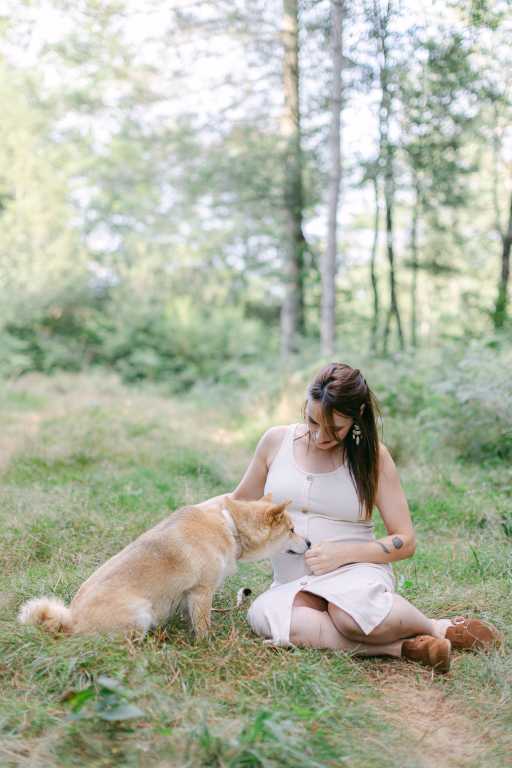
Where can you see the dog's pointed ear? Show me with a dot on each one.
(267, 497)
(274, 515)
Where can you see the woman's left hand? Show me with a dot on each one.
(327, 556)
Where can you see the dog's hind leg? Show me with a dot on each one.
(199, 604)
(127, 615)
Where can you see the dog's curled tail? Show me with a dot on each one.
(47, 612)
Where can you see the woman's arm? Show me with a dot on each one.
(252, 484)
(399, 544)
(394, 510)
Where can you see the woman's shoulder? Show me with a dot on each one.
(386, 462)
(383, 451)
(274, 435)
(271, 441)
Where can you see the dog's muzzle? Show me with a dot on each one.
(307, 545)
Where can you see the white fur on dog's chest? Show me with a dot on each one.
(227, 565)
(234, 531)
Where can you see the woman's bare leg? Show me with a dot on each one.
(404, 620)
(314, 628)
(309, 600)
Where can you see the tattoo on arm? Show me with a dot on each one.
(383, 547)
(397, 542)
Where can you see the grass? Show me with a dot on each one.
(102, 464)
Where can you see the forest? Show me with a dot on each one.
(185, 188)
(201, 204)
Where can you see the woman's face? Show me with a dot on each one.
(319, 435)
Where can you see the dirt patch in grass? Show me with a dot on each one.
(437, 730)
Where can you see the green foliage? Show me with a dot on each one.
(15, 355)
(40, 256)
(56, 337)
(106, 700)
(142, 236)
(180, 342)
(177, 341)
(481, 416)
(437, 127)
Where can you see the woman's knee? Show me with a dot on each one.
(314, 629)
(344, 623)
(306, 627)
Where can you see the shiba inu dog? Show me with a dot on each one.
(182, 560)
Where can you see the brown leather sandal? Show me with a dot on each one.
(431, 651)
(473, 635)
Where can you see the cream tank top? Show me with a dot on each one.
(324, 506)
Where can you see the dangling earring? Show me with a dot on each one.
(356, 433)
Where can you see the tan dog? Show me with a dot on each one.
(183, 559)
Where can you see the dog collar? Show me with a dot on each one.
(234, 530)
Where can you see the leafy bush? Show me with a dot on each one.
(180, 342)
(60, 338)
(480, 386)
(15, 357)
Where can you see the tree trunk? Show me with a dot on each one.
(501, 310)
(373, 269)
(292, 313)
(386, 152)
(389, 194)
(393, 310)
(328, 260)
(414, 265)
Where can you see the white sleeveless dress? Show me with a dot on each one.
(324, 507)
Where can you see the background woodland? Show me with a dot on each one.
(195, 191)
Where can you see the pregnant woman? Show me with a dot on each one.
(341, 593)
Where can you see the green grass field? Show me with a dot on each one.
(87, 464)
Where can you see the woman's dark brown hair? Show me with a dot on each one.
(341, 388)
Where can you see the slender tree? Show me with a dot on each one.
(371, 176)
(504, 230)
(415, 260)
(381, 16)
(373, 268)
(501, 309)
(292, 314)
(438, 103)
(328, 260)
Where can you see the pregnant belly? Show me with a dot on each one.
(316, 528)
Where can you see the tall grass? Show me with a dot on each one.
(88, 464)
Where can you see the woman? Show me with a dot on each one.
(341, 593)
